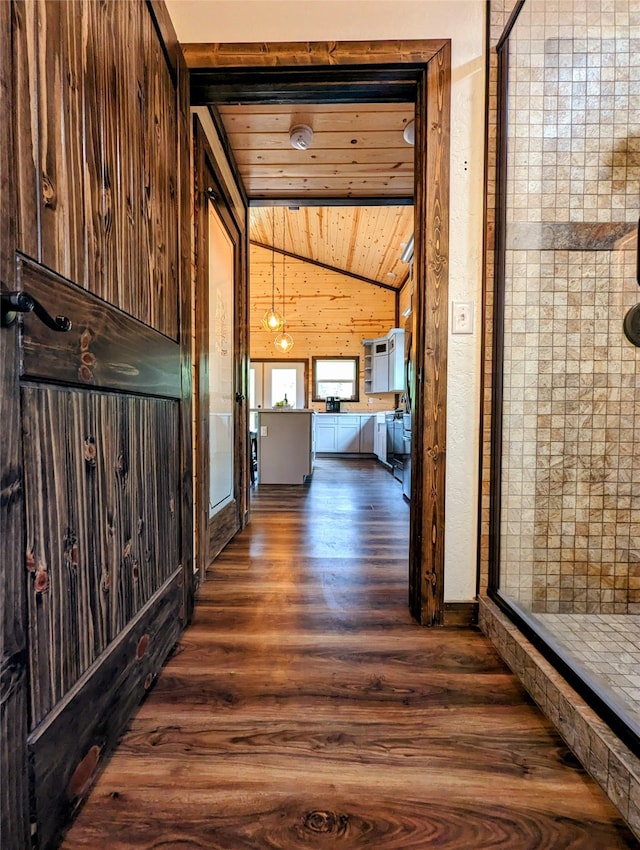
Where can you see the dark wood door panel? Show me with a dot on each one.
(94, 186)
(67, 751)
(14, 796)
(104, 348)
(102, 490)
(96, 142)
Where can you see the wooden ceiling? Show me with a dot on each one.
(357, 154)
(363, 241)
(357, 151)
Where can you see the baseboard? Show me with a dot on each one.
(460, 614)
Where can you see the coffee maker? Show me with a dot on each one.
(333, 404)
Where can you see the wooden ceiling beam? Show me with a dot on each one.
(326, 266)
(322, 53)
(334, 201)
(296, 86)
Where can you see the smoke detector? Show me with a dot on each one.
(301, 137)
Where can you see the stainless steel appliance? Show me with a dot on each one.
(409, 395)
(409, 366)
(332, 404)
(406, 469)
(395, 444)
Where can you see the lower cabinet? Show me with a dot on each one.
(348, 434)
(285, 446)
(380, 437)
(367, 433)
(326, 433)
(345, 433)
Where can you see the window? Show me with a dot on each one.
(336, 376)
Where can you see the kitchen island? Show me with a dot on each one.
(286, 446)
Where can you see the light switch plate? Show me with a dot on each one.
(462, 317)
(263, 431)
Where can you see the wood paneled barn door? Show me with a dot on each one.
(96, 573)
(100, 420)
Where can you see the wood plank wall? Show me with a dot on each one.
(96, 152)
(328, 315)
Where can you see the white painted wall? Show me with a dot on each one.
(463, 21)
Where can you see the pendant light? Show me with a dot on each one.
(272, 321)
(284, 341)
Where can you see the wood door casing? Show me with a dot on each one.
(420, 70)
(210, 187)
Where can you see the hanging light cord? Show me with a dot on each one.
(284, 341)
(272, 320)
(284, 266)
(273, 262)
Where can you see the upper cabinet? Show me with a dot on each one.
(384, 363)
(380, 372)
(396, 361)
(368, 365)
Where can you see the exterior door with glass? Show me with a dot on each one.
(271, 382)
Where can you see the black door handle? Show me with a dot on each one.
(631, 322)
(239, 397)
(21, 302)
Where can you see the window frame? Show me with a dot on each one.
(355, 359)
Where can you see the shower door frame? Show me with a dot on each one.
(591, 693)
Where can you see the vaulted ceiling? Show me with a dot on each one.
(364, 241)
(357, 150)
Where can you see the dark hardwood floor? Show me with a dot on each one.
(305, 709)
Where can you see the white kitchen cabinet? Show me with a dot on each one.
(326, 433)
(380, 437)
(380, 366)
(396, 361)
(368, 365)
(386, 356)
(345, 433)
(367, 433)
(348, 434)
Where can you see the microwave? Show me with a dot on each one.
(333, 404)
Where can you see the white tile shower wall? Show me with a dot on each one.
(574, 116)
(570, 539)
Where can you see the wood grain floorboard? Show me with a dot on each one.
(305, 709)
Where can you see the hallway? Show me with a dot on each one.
(304, 708)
